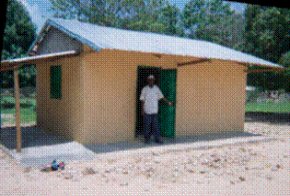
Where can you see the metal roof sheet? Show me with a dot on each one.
(100, 37)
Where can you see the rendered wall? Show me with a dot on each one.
(64, 116)
(98, 102)
(110, 93)
(210, 97)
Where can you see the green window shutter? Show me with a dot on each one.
(55, 82)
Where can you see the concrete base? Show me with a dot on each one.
(40, 148)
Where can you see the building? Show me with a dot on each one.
(89, 79)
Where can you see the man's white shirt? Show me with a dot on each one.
(151, 96)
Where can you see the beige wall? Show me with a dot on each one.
(64, 116)
(110, 93)
(210, 98)
(99, 96)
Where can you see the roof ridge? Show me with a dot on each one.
(134, 31)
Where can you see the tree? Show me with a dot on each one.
(67, 9)
(267, 36)
(143, 15)
(267, 31)
(19, 34)
(211, 20)
(238, 32)
(285, 61)
(170, 18)
(154, 16)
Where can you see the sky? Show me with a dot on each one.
(39, 10)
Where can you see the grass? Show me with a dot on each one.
(27, 111)
(270, 107)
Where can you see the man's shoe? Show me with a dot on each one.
(159, 141)
(147, 141)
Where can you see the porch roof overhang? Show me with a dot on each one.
(7, 65)
(14, 64)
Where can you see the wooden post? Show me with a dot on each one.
(17, 110)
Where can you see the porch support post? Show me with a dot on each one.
(17, 110)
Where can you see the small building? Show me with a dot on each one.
(89, 78)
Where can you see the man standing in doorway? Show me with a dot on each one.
(150, 96)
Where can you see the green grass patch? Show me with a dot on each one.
(27, 110)
(8, 102)
(268, 107)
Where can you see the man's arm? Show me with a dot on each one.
(170, 103)
(161, 97)
(142, 99)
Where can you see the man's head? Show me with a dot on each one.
(151, 80)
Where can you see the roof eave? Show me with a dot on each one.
(7, 65)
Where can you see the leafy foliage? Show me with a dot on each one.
(285, 59)
(19, 33)
(267, 31)
(144, 15)
(268, 36)
(213, 21)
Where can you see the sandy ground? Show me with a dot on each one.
(261, 168)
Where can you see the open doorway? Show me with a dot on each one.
(142, 73)
(166, 80)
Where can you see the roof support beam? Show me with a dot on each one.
(12, 64)
(17, 111)
(4, 68)
(192, 62)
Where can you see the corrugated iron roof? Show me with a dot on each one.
(100, 37)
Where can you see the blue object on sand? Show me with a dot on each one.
(54, 165)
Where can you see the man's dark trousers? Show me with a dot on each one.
(151, 125)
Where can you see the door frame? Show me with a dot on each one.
(139, 132)
(138, 117)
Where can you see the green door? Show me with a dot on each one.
(167, 113)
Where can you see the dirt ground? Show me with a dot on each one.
(245, 169)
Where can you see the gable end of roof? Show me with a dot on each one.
(51, 23)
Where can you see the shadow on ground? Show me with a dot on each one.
(139, 141)
(39, 147)
(273, 118)
(31, 137)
